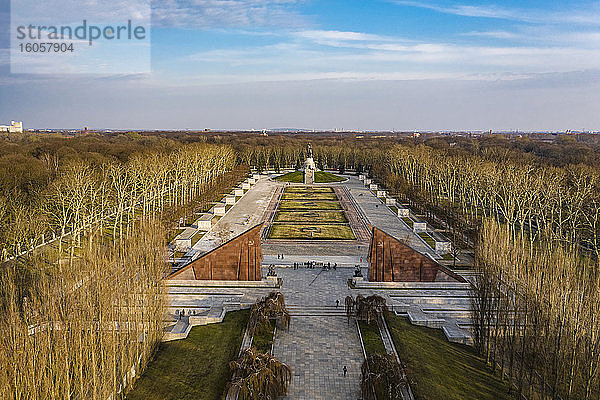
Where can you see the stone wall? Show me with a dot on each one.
(392, 261)
(239, 259)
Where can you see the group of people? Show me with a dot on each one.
(313, 264)
(179, 314)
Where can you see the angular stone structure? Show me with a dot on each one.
(393, 261)
(239, 259)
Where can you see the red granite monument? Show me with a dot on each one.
(239, 259)
(393, 261)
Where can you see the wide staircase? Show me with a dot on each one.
(316, 311)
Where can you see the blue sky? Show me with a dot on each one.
(393, 64)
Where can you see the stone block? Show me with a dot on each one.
(403, 212)
(230, 200)
(419, 226)
(381, 193)
(219, 209)
(373, 186)
(390, 201)
(183, 244)
(443, 247)
(204, 223)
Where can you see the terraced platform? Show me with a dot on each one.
(310, 213)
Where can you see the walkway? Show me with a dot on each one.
(320, 341)
(317, 348)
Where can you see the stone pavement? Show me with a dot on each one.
(343, 261)
(320, 341)
(317, 348)
(315, 248)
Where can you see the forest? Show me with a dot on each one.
(85, 224)
(77, 213)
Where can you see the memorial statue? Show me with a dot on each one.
(357, 272)
(309, 167)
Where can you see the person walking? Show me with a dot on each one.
(337, 303)
(345, 370)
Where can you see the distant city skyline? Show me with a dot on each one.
(358, 65)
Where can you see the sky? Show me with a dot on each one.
(333, 64)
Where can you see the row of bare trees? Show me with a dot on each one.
(537, 231)
(292, 153)
(561, 203)
(85, 330)
(537, 314)
(80, 318)
(110, 194)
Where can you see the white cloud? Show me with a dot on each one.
(340, 35)
(494, 34)
(359, 58)
(204, 14)
(589, 16)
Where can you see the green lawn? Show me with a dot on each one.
(443, 370)
(309, 196)
(197, 237)
(179, 254)
(195, 368)
(293, 177)
(428, 239)
(371, 338)
(408, 221)
(320, 177)
(309, 205)
(299, 231)
(311, 216)
(308, 189)
(326, 177)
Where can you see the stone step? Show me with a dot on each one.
(425, 295)
(316, 311)
(435, 302)
(418, 317)
(180, 326)
(457, 334)
(453, 313)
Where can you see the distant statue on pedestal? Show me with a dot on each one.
(309, 166)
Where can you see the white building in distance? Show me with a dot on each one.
(14, 127)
